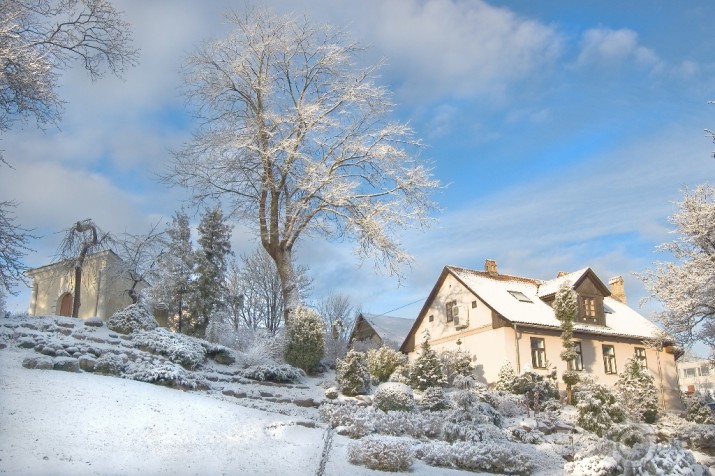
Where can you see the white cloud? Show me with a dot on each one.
(607, 47)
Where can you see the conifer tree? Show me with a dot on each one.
(305, 339)
(565, 308)
(171, 281)
(637, 392)
(427, 369)
(506, 378)
(210, 269)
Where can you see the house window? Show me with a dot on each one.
(577, 362)
(689, 373)
(641, 358)
(704, 370)
(520, 296)
(474, 304)
(538, 353)
(431, 317)
(609, 359)
(589, 308)
(450, 310)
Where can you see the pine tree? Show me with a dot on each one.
(426, 371)
(637, 392)
(171, 280)
(353, 374)
(209, 289)
(565, 308)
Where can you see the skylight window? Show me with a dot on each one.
(607, 309)
(520, 296)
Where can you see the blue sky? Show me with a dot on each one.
(563, 131)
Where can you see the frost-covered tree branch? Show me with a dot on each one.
(39, 38)
(686, 287)
(139, 254)
(295, 139)
(13, 246)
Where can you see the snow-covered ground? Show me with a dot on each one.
(66, 423)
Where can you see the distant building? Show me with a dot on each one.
(103, 289)
(501, 318)
(696, 375)
(372, 330)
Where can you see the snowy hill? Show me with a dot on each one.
(60, 416)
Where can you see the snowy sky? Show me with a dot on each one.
(564, 132)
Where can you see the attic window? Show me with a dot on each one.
(520, 296)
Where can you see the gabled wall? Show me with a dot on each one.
(102, 292)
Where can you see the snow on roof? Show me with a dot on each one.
(494, 290)
(551, 287)
(389, 328)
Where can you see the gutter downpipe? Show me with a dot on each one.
(516, 342)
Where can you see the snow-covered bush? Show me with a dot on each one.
(697, 436)
(498, 457)
(352, 373)
(394, 396)
(426, 370)
(433, 399)
(607, 458)
(110, 364)
(135, 317)
(697, 411)
(637, 392)
(509, 405)
(455, 363)
(381, 453)
(598, 408)
(506, 378)
(458, 429)
(269, 372)
(628, 433)
(179, 348)
(415, 425)
(167, 374)
(382, 362)
(401, 375)
(353, 420)
(535, 387)
(305, 339)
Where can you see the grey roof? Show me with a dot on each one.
(389, 328)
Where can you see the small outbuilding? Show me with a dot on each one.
(373, 330)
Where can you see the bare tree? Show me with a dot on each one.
(13, 245)
(254, 291)
(38, 38)
(339, 315)
(139, 255)
(295, 140)
(687, 287)
(81, 239)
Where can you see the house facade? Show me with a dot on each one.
(500, 318)
(102, 292)
(696, 375)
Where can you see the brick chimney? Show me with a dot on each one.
(490, 266)
(618, 292)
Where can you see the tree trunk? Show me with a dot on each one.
(289, 288)
(77, 289)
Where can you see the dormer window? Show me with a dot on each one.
(591, 310)
(520, 296)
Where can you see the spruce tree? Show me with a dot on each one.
(426, 371)
(565, 308)
(211, 264)
(171, 279)
(637, 392)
